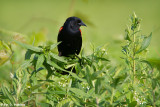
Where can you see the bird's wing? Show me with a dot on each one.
(79, 45)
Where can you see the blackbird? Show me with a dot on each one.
(71, 37)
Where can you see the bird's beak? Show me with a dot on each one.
(82, 24)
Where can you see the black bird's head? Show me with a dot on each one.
(74, 23)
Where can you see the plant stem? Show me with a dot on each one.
(97, 102)
(85, 100)
(134, 64)
(112, 96)
(153, 94)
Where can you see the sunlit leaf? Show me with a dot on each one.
(88, 76)
(8, 94)
(101, 58)
(75, 76)
(36, 86)
(79, 92)
(55, 65)
(145, 43)
(96, 74)
(24, 82)
(36, 49)
(26, 64)
(64, 103)
(44, 104)
(127, 33)
(58, 57)
(40, 61)
(98, 86)
(147, 62)
(54, 45)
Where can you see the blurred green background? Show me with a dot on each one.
(106, 21)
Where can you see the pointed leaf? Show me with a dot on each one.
(55, 65)
(44, 104)
(101, 58)
(54, 45)
(79, 92)
(39, 61)
(96, 74)
(25, 64)
(78, 68)
(24, 82)
(29, 99)
(88, 76)
(145, 43)
(98, 86)
(64, 103)
(58, 57)
(8, 94)
(36, 49)
(36, 86)
(28, 54)
(148, 63)
(75, 76)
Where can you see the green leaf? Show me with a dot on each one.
(78, 68)
(64, 103)
(96, 74)
(36, 86)
(36, 49)
(39, 61)
(69, 85)
(88, 76)
(28, 92)
(148, 63)
(76, 100)
(103, 59)
(28, 54)
(15, 82)
(8, 94)
(6, 46)
(154, 83)
(132, 104)
(44, 104)
(26, 64)
(91, 92)
(58, 58)
(98, 86)
(58, 92)
(75, 76)
(54, 45)
(79, 92)
(157, 102)
(55, 65)
(127, 33)
(24, 82)
(29, 99)
(145, 43)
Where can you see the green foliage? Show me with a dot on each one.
(145, 43)
(39, 81)
(5, 52)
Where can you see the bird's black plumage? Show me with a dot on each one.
(70, 37)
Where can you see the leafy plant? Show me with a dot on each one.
(91, 79)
